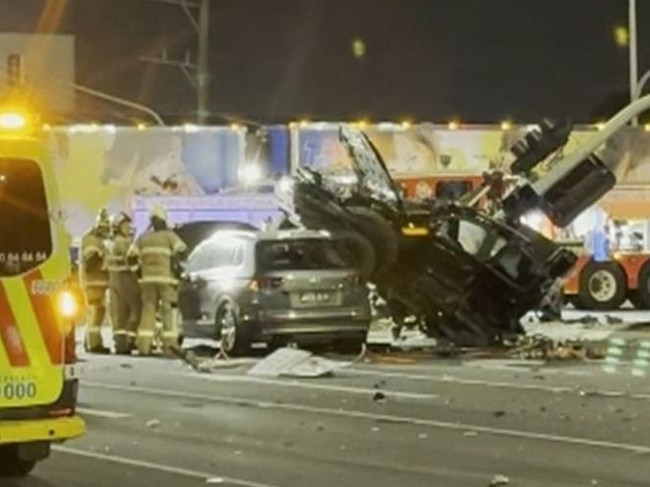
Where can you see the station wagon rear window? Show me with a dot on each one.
(26, 237)
(298, 254)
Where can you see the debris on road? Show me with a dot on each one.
(499, 480)
(214, 480)
(379, 397)
(293, 362)
(470, 433)
(538, 347)
(152, 423)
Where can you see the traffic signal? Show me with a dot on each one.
(538, 144)
(15, 69)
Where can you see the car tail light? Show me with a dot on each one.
(265, 283)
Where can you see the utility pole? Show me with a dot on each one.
(202, 76)
(197, 74)
(634, 63)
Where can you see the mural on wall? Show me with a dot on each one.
(107, 168)
(627, 153)
(422, 149)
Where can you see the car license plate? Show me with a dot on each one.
(314, 298)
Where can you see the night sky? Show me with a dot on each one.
(276, 60)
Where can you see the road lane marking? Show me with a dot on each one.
(324, 387)
(380, 417)
(449, 379)
(102, 414)
(156, 466)
(455, 380)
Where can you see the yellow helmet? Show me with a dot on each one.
(159, 213)
(103, 222)
(119, 219)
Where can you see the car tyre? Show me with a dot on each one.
(640, 298)
(13, 466)
(602, 286)
(234, 337)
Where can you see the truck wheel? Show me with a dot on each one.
(602, 286)
(11, 465)
(641, 297)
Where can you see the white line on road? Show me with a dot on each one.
(294, 383)
(379, 417)
(102, 414)
(456, 380)
(486, 383)
(156, 466)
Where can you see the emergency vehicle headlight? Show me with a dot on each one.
(68, 306)
(13, 121)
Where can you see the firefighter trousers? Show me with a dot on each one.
(96, 306)
(155, 295)
(125, 309)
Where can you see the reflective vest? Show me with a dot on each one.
(93, 261)
(155, 251)
(116, 260)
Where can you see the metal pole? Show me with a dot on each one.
(634, 63)
(202, 76)
(642, 82)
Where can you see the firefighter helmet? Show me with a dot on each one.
(158, 213)
(103, 222)
(120, 219)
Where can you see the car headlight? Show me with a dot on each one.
(67, 304)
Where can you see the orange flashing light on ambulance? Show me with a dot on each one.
(38, 393)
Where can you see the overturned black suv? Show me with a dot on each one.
(466, 275)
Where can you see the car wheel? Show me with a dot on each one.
(13, 466)
(640, 298)
(234, 339)
(602, 286)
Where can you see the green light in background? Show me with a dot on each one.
(621, 36)
(358, 46)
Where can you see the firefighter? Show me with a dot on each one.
(124, 291)
(94, 280)
(158, 253)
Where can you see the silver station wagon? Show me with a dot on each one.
(246, 287)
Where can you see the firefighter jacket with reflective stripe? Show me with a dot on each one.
(156, 252)
(116, 260)
(93, 261)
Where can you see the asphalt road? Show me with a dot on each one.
(155, 422)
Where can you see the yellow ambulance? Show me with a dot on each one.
(38, 391)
